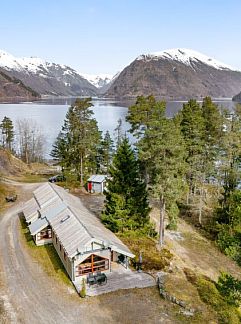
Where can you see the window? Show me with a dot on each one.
(45, 234)
(92, 264)
(56, 240)
(64, 255)
(60, 247)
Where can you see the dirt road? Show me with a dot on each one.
(30, 296)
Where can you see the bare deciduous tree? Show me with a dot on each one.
(30, 141)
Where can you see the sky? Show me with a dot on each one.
(103, 36)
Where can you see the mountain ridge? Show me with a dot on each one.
(176, 74)
(170, 74)
(46, 78)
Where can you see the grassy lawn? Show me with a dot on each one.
(45, 255)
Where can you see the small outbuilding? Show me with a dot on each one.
(97, 183)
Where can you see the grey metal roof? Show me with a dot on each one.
(73, 224)
(46, 214)
(44, 195)
(38, 225)
(52, 209)
(90, 222)
(30, 209)
(70, 232)
(97, 178)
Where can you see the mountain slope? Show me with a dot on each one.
(46, 78)
(14, 89)
(176, 74)
(99, 80)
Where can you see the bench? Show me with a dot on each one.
(11, 198)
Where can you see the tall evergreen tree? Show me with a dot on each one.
(7, 133)
(77, 144)
(193, 128)
(106, 150)
(230, 160)
(161, 151)
(126, 204)
(213, 137)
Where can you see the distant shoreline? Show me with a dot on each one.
(129, 100)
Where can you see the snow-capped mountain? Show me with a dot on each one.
(13, 89)
(99, 80)
(186, 56)
(176, 74)
(46, 77)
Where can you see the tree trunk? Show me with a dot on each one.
(200, 208)
(81, 170)
(162, 216)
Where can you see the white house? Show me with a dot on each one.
(97, 183)
(82, 242)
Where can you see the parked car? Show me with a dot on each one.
(57, 178)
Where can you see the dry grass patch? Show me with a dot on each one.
(5, 190)
(153, 258)
(29, 178)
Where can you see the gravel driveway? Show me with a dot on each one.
(30, 296)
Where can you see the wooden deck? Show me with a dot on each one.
(120, 278)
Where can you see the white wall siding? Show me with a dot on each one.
(64, 257)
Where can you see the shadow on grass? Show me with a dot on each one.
(46, 255)
(57, 263)
(25, 231)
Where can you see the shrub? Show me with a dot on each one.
(230, 244)
(230, 288)
(216, 296)
(83, 289)
(210, 295)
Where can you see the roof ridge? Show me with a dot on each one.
(71, 209)
(51, 185)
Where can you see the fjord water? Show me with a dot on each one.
(50, 114)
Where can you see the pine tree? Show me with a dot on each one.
(161, 151)
(230, 160)
(142, 116)
(193, 128)
(7, 133)
(126, 204)
(106, 151)
(77, 144)
(213, 136)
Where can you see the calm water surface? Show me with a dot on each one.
(50, 114)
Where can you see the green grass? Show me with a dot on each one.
(45, 255)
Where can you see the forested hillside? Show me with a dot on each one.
(14, 89)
